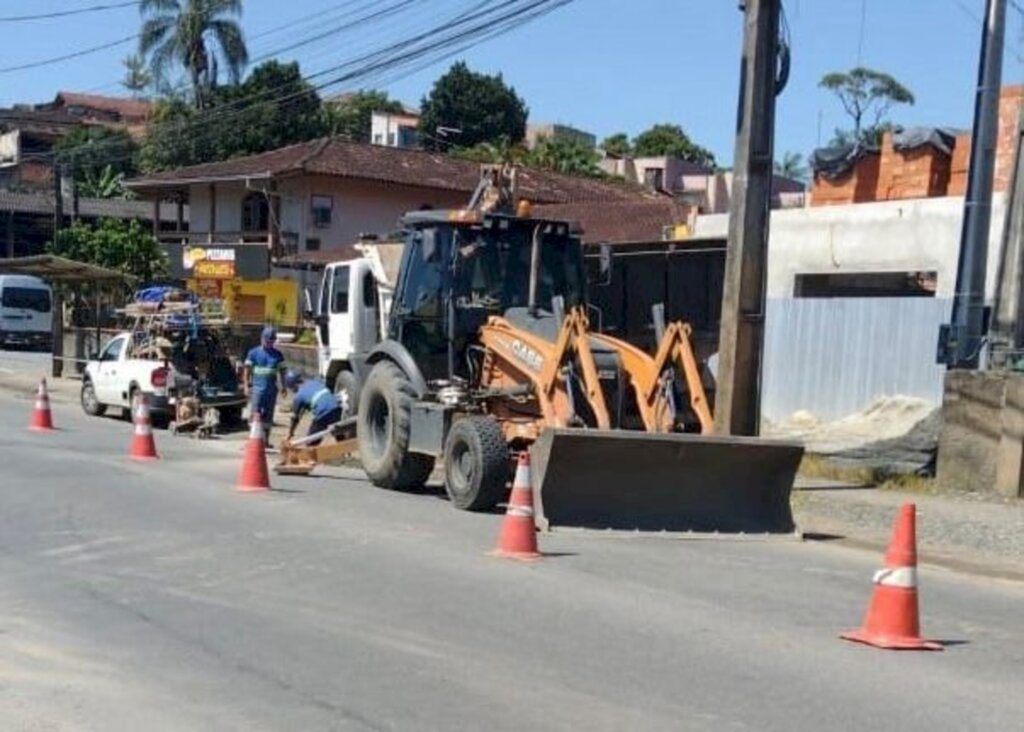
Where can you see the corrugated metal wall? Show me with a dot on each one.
(833, 356)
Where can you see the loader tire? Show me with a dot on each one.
(383, 431)
(476, 465)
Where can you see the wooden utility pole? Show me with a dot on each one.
(741, 336)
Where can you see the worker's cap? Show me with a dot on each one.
(292, 378)
(269, 334)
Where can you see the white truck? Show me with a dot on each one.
(351, 312)
(26, 311)
(113, 377)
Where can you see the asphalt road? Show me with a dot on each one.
(152, 596)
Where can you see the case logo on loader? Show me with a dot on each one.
(527, 355)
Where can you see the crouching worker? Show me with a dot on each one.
(318, 399)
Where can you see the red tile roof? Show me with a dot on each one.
(130, 110)
(335, 157)
(619, 221)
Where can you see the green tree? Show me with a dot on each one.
(274, 107)
(106, 184)
(563, 155)
(127, 246)
(89, 150)
(669, 139)
(499, 151)
(198, 35)
(480, 107)
(792, 166)
(351, 117)
(617, 144)
(866, 96)
(137, 77)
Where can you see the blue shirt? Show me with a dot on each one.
(265, 364)
(315, 397)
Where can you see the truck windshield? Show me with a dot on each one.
(494, 268)
(27, 298)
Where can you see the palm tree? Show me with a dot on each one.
(190, 33)
(792, 166)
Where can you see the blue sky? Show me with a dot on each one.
(602, 65)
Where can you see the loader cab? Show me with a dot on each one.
(460, 268)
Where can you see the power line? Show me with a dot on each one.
(66, 13)
(68, 56)
(410, 55)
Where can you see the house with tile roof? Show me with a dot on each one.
(323, 194)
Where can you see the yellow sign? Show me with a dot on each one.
(214, 270)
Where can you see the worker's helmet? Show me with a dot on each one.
(292, 379)
(269, 335)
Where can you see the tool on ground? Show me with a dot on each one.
(42, 418)
(518, 537)
(254, 476)
(143, 446)
(892, 618)
(299, 457)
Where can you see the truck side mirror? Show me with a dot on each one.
(307, 304)
(605, 263)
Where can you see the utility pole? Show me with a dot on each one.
(741, 335)
(57, 309)
(961, 341)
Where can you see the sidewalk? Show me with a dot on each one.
(975, 533)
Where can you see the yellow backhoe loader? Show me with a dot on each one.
(489, 351)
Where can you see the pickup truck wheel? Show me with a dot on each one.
(126, 412)
(383, 431)
(90, 404)
(476, 465)
(346, 389)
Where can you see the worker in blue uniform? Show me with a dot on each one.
(312, 395)
(264, 366)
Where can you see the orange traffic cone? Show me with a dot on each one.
(254, 476)
(42, 418)
(518, 538)
(143, 446)
(892, 617)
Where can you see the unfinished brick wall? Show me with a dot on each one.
(919, 173)
(858, 186)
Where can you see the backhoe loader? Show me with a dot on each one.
(489, 352)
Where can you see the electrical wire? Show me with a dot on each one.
(425, 47)
(66, 13)
(68, 56)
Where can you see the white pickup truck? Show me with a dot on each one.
(112, 378)
(195, 368)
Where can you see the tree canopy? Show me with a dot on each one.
(866, 96)
(272, 108)
(351, 117)
(198, 35)
(89, 150)
(127, 246)
(617, 144)
(670, 139)
(468, 108)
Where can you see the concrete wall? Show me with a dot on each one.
(921, 234)
(229, 207)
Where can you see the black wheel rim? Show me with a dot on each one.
(461, 466)
(378, 419)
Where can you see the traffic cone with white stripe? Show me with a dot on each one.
(518, 538)
(143, 446)
(42, 418)
(254, 476)
(892, 618)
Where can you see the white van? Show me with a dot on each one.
(26, 311)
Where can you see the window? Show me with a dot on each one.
(322, 207)
(339, 290)
(113, 350)
(391, 139)
(369, 290)
(378, 139)
(866, 284)
(255, 212)
(654, 178)
(26, 298)
(312, 245)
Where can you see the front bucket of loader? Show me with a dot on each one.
(599, 479)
